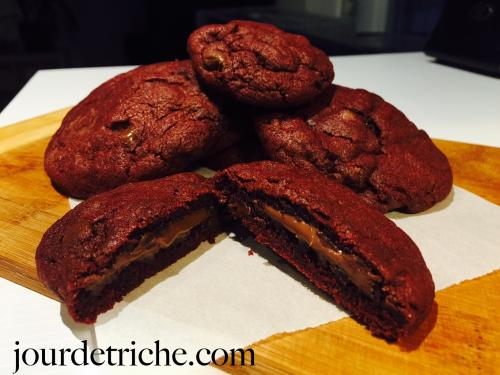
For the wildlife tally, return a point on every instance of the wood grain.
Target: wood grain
(464, 338)
(28, 203)
(475, 168)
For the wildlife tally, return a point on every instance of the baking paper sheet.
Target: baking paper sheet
(221, 296)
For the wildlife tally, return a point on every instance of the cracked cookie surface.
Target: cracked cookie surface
(360, 140)
(112, 234)
(259, 64)
(147, 123)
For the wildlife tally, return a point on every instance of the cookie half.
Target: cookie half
(345, 247)
(259, 64)
(109, 244)
(147, 123)
(363, 142)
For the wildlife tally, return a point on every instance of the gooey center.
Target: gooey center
(148, 246)
(352, 265)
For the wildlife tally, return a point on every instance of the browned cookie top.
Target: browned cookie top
(85, 241)
(259, 64)
(365, 143)
(143, 124)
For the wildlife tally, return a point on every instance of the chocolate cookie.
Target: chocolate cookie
(259, 64)
(245, 151)
(108, 245)
(147, 123)
(360, 140)
(345, 247)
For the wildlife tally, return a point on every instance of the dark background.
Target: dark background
(41, 34)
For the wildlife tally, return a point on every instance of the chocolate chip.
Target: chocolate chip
(119, 125)
(213, 61)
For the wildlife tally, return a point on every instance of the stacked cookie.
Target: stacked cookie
(160, 119)
(250, 92)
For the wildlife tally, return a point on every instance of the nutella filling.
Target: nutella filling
(149, 245)
(353, 266)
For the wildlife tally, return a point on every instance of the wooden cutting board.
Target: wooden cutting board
(461, 336)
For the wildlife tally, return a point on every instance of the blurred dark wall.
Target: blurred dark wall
(40, 34)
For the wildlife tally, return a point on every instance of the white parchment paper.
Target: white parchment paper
(220, 296)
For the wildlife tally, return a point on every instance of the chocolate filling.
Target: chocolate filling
(147, 247)
(352, 265)
(358, 272)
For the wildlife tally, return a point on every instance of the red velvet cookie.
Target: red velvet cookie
(259, 64)
(147, 123)
(109, 244)
(345, 247)
(245, 151)
(362, 141)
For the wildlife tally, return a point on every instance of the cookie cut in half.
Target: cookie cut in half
(150, 122)
(259, 64)
(363, 142)
(109, 244)
(345, 247)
